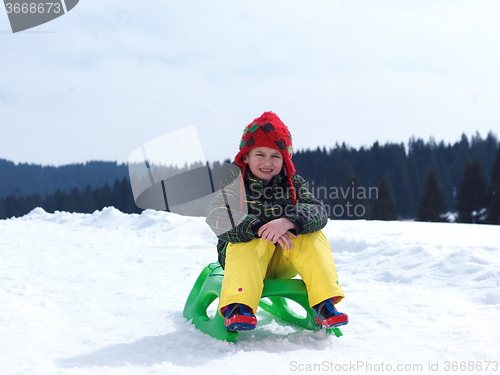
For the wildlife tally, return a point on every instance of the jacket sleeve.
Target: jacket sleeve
(227, 221)
(309, 213)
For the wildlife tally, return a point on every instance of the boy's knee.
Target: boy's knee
(254, 251)
(312, 238)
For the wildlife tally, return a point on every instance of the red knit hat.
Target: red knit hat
(268, 131)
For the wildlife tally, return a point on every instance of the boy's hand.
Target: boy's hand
(285, 241)
(278, 231)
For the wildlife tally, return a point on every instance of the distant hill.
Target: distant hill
(27, 179)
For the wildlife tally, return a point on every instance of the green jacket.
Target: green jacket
(266, 201)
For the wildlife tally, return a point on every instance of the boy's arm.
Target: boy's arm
(227, 222)
(309, 214)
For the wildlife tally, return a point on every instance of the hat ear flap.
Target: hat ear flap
(242, 186)
(290, 170)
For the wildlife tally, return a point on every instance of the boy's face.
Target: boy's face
(264, 162)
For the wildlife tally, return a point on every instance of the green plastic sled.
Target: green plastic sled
(273, 300)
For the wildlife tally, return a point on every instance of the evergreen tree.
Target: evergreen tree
(384, 206)
(472, 197)
(494, 205)
(72, 201)
(88, 201)
(355, 201)
(104, 196)
(431, 207)
(33, 201)
(13, 206)
(128, 201)
(3, 211)
(121, 193)
(118, 197)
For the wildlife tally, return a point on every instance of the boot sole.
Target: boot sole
(334, 321)
(240, 323)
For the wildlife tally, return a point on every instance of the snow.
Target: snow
(103, 293)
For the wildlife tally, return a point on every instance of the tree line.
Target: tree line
(401, 174)
(85, 200)
(26, 179)
(477, 201)
(425, 181)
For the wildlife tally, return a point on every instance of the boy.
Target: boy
(269, 226)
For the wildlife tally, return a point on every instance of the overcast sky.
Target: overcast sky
(111, 75)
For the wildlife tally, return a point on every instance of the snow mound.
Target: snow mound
(103, 293)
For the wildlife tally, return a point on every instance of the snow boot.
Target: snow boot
(239, 317)
(327, 315)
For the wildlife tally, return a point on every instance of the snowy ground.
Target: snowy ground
(104, 293)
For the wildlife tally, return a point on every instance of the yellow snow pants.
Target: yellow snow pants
(249, 263)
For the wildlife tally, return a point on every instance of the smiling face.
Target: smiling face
(264, 162)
